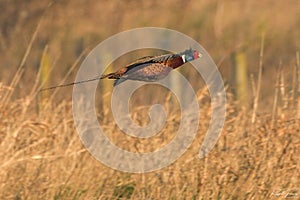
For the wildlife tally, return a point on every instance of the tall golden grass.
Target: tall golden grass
(42, 156)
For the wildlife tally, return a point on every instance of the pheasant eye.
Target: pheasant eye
(196, 55)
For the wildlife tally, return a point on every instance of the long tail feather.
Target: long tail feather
(78, 82)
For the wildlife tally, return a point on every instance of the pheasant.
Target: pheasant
(152, 68)
(148, 69)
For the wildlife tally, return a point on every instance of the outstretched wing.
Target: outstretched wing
(145, 61)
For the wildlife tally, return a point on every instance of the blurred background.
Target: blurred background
(231, 31)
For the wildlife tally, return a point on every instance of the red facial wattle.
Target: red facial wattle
(196, 54)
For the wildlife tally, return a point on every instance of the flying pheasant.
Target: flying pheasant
(149, 68)
(152, 68)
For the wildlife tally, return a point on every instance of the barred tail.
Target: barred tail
(106, 76)
(110, 76)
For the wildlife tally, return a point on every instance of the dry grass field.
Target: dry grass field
(43, 43)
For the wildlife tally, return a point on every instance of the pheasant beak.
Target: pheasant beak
(200, 55)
